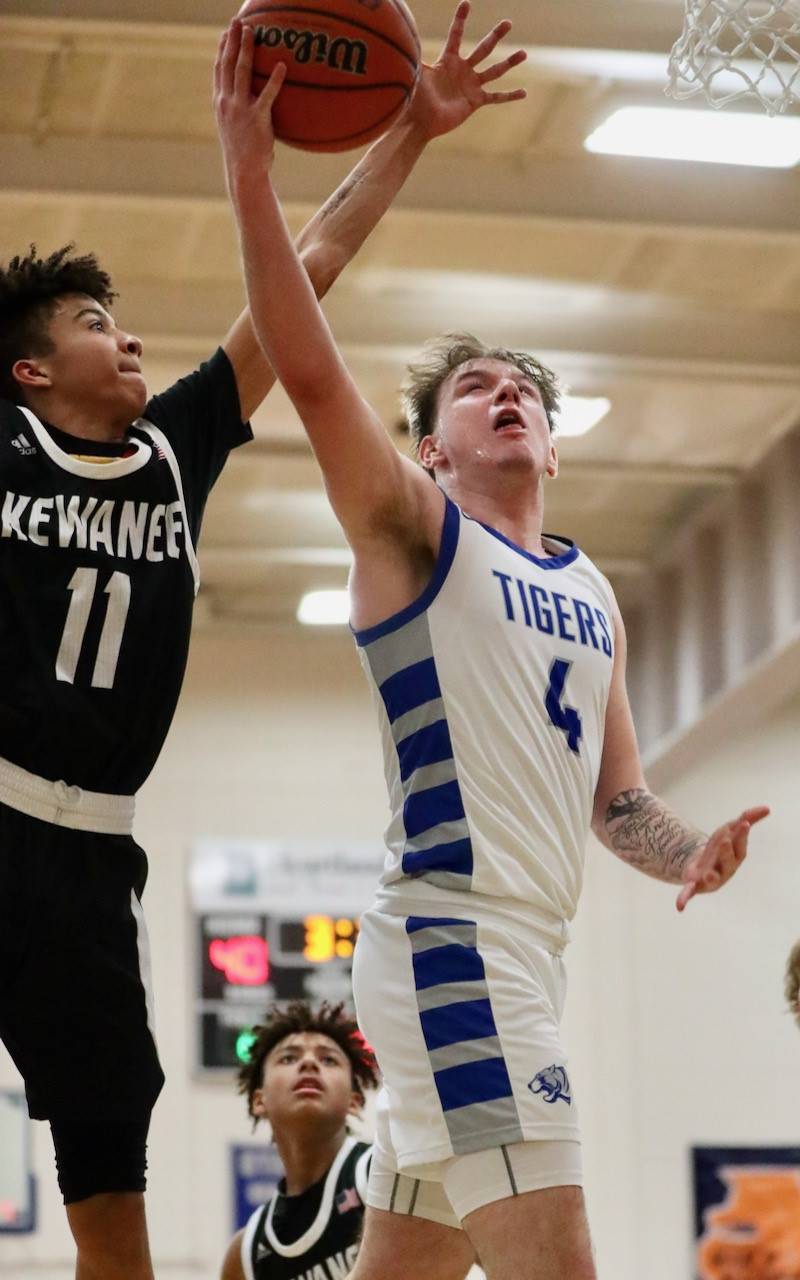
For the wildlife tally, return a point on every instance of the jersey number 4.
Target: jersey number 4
(83, 585)
(565, 718)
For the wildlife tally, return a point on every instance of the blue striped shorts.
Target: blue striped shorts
(463, 1015)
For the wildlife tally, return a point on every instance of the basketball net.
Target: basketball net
(733, 49)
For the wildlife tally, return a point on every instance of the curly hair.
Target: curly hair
(442, 356)
(792, 987)
(30, 287)
(296, 1018)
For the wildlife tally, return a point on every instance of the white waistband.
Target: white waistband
(63, 805)
(527, 923)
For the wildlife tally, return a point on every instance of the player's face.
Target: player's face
(490, 414)
(306, 1076)
(94, 363)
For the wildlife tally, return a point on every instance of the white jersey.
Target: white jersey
(492, 690)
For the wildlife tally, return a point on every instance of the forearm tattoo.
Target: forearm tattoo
(342, 193)
(644, 832)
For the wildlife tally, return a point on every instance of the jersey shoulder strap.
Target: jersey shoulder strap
(162, 443)
(252, 1232)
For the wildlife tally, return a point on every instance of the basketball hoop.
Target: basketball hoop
(734, 49)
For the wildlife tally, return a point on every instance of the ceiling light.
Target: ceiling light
(578, 414)
(733, 137)
(324, 609)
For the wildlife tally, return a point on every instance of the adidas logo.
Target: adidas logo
(23, 444)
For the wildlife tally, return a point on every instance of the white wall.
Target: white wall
(674, 1023)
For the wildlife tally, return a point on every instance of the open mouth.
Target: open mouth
(509, 418)
(307, 1086)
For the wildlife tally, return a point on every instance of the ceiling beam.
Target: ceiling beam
(569, 188)
(647, 25)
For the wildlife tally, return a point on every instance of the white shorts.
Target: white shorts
(464, 1018)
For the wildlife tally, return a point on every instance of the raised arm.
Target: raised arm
(363, 472)
(639, 827)
(448, 93)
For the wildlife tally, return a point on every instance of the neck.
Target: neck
(306, 1157)
(517, 511)
(82, 422)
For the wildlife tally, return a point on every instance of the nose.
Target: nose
(132, 344)
(507, 390)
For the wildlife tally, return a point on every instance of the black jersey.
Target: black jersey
(313, 1236)
(97, 581)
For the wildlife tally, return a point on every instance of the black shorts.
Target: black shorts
(74, 980)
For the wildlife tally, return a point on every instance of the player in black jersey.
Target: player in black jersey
(308, 1072)
(102, 495)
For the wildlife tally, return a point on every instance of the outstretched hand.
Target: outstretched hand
(451, 90)
(244, 119)
(720, 858)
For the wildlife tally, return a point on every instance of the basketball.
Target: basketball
(352, 65)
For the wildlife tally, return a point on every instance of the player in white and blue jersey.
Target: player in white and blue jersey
(102, 494)
(496, 656)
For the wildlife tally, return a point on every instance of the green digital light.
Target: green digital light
(244, 1043)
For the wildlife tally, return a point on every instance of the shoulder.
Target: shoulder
(232, 1268)
(364, 1159)
(11, 415)
(214, 376)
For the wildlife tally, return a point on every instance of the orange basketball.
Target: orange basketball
(352, 65)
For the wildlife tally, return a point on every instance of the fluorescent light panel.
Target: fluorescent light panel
(732, 137)
(324, 609)
(579, 414)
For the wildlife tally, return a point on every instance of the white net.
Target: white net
(733, 49)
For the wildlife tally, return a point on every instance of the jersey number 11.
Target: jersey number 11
(83, 585)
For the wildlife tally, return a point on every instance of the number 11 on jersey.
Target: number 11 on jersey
(83, 586)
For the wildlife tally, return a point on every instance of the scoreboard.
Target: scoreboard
(273, 923)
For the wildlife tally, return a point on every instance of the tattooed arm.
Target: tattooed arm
(638, 827)
(641, 830)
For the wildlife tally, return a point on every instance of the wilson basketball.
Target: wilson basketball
(352, 65)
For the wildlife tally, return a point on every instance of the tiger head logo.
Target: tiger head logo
(553, 1084)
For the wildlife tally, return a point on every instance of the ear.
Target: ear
(258, 1106)
(31, 374)
(552, 461)
(356, 1104)
(430, 453)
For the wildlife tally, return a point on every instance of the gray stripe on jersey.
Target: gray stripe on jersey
(456, 1055)
(444, 833)
(399, 649)
(469, 1127)
(444, 935)
(420, 718)
(450, 993)
(430, 775)
(448, 880)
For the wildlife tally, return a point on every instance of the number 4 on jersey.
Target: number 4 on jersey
(565, 718)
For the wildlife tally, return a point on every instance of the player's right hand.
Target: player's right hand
(244, 119)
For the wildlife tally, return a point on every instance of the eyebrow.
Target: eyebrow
(517, 374)
(298, 1048)
(91, 311)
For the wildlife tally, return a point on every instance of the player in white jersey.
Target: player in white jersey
(497, 659)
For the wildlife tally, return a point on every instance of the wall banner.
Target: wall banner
(747, 1213)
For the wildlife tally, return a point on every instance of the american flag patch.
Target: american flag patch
(347, 1200)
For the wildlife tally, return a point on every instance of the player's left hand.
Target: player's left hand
(720, 858)
(451, 90)
(244, 120)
